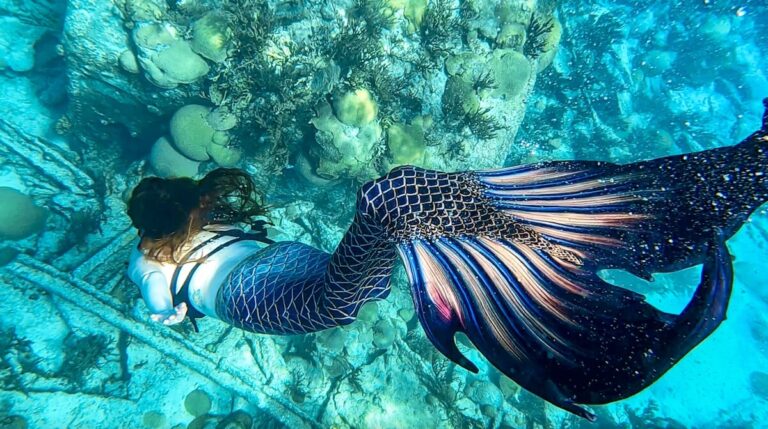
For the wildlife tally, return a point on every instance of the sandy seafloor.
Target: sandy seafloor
(674, 77)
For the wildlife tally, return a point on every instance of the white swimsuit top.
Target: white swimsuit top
(154, 278)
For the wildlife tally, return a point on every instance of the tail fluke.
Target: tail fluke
(557, 330)
(709, 304)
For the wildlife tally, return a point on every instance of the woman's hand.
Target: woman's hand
(171, 317)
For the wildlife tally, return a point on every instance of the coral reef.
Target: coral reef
(343, 150)
(406, 144)
(355, 108)
(537, 34)
(267, 69)
(166, 59)
(153, 420)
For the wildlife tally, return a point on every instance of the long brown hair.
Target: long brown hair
(169, 212)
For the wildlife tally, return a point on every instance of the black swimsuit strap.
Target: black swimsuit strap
(182, 295)
(256, 236)
(182, 262)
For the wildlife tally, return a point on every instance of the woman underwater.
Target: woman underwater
(509, 257)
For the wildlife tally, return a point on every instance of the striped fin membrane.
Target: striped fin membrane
(526, 292)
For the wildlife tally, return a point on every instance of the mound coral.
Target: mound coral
(145, 10)
(211, 36)
(154, 420)
(512, 35)
(511, 71)
(384, 334)
(19, 216)
(342, 150)
(333, 340)
(486, 395)
(197, 402)
(369, 312)
(168, 162)
(167, 60)
(413, 11)
(191, 131)
(459, 97)
(129, 62)
(201, 134)
(223, 152)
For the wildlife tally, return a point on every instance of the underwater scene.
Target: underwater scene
(444, 214)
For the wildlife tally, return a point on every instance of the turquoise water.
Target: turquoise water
(313, 99)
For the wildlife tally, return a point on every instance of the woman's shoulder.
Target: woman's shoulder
(140, 265)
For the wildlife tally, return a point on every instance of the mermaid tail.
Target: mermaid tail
(293, 288)
(510, 257)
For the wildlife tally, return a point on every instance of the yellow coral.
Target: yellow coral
(413, 11)
(511, 72)
(222, 152)
(341, 151)
(356, 108)
(166, 161)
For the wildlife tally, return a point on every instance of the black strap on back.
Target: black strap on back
(182, 294)
(260, 235)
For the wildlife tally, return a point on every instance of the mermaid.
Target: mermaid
(509, 257)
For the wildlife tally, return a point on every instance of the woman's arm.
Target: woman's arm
(157, 296)
(155, 290)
